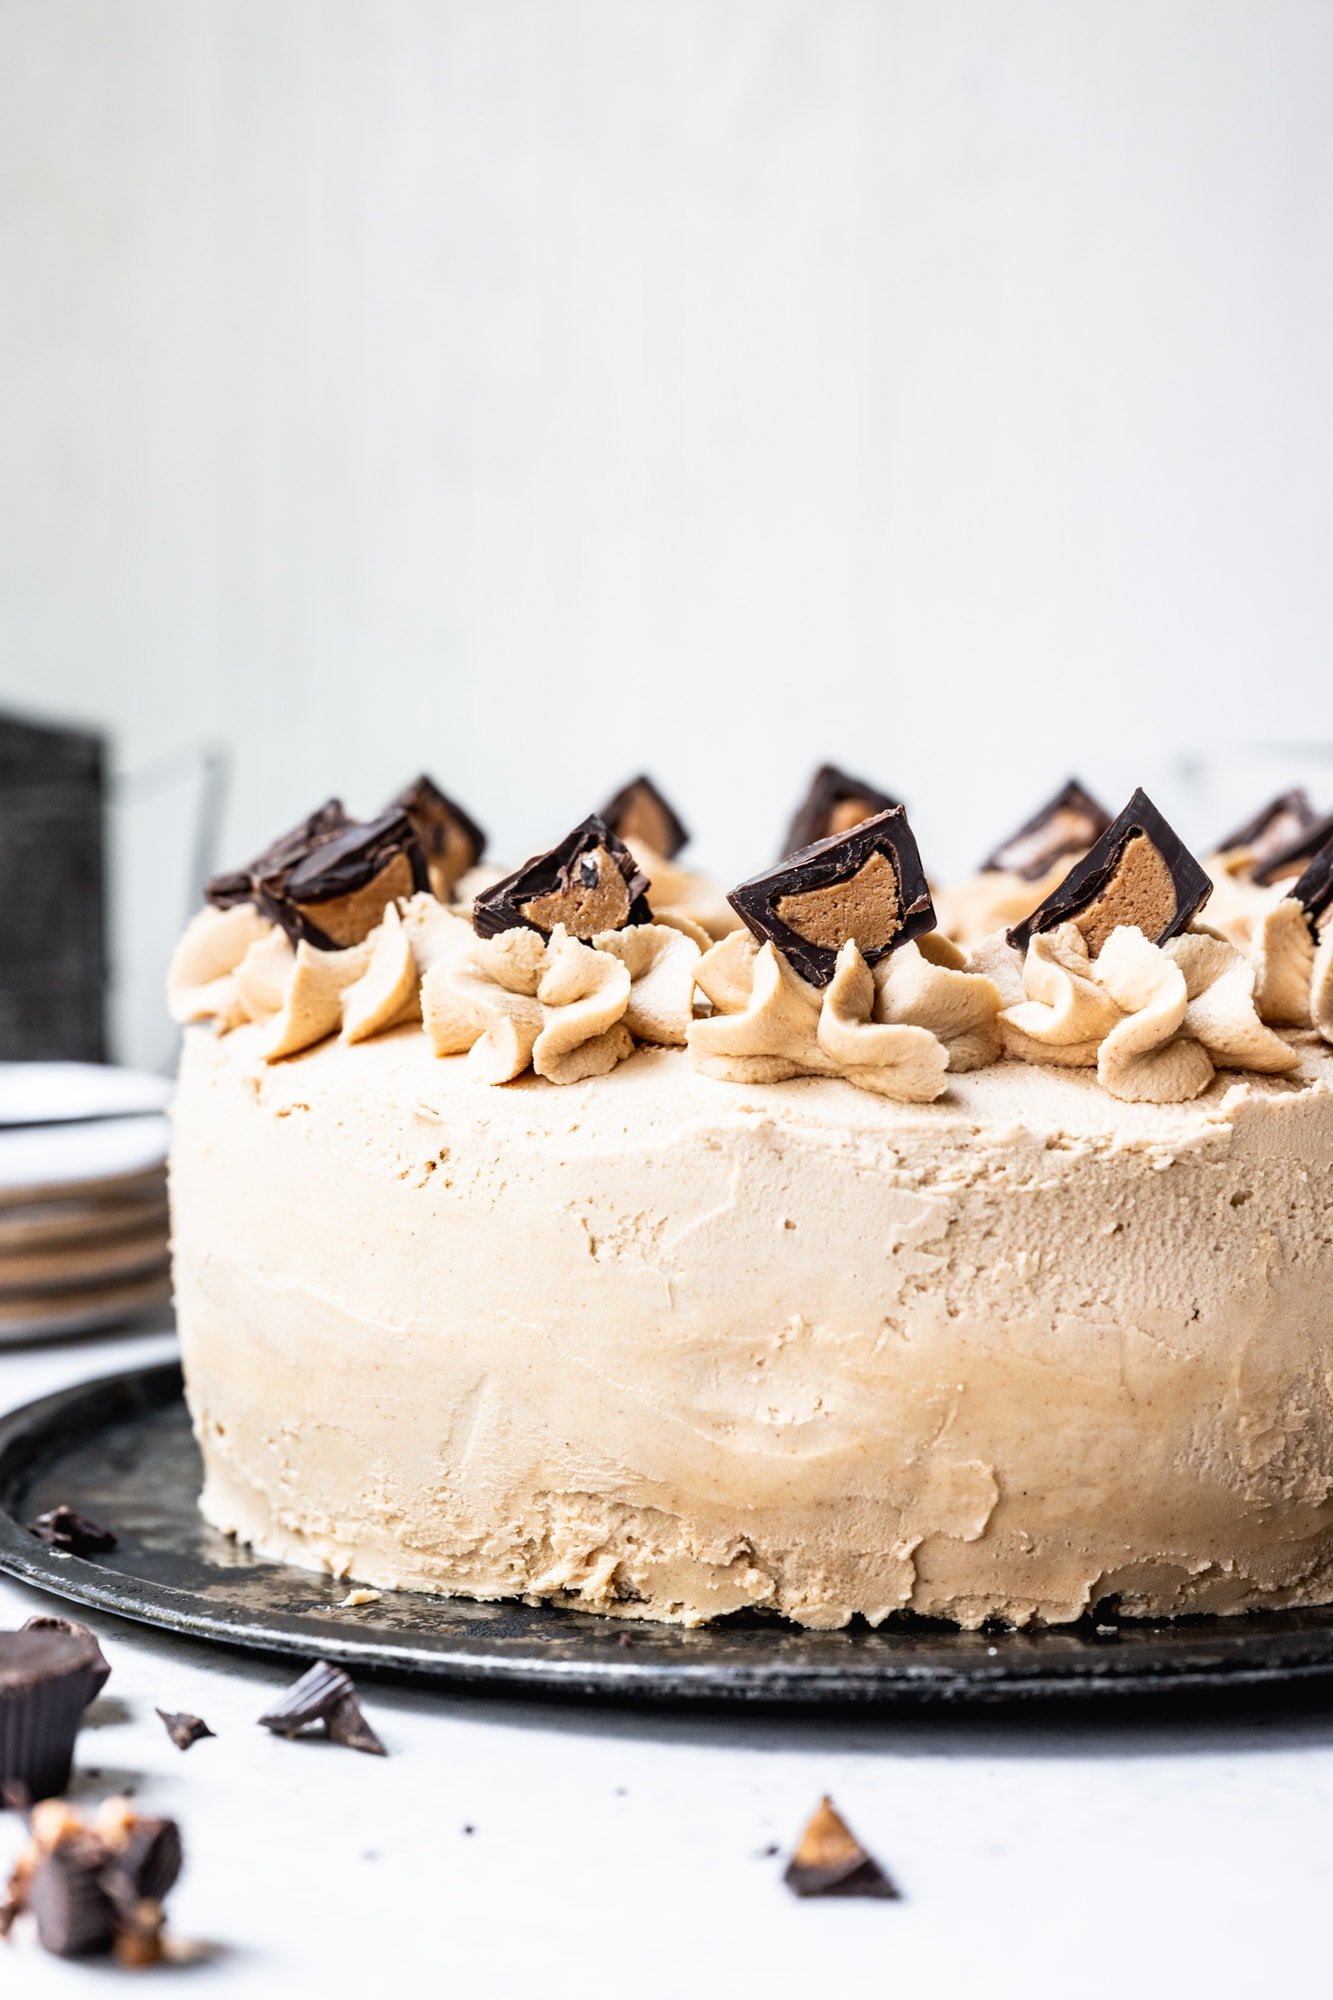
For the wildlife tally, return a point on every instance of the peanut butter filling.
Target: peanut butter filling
(865, 907)
(595, 899)
(848, 813)
(449, 858)
(644, 820)
(1141, 892)
(346, 920)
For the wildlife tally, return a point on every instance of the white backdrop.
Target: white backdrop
(534, 389)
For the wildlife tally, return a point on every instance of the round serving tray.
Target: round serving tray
(120, 1450)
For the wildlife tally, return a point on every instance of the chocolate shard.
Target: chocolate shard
(1287, 818)
(324, 1694)
(50, 1669)
(182, 1728)
(638, 811)
(336, 894)
(62, 1528)
(74, 1909)
(1314, 889)
(1067, 825)
(589, 882)
(346, 1724)
(238, 885)
(1297, 854)
(830, 1861)
(866, 885)
(451, 840)
(1140, 872)
(835, 803)
(151, 1857)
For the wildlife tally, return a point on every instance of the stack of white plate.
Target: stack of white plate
(83, 1197)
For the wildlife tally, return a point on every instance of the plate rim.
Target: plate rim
(1011, 1669)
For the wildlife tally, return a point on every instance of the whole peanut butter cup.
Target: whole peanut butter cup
(50, 1669)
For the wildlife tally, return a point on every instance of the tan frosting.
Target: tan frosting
(1155, 1020)
(895, 1031)
(676, 893)
(661, 1347)
(201, 980)
(1321, 985)
(566, 1009)
(993, 900)
(312, 1004)
(1282, 952)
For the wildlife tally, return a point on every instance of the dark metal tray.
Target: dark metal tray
(120, 1449)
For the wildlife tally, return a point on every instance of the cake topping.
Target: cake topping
(589, 882)
(1067, 825)
(96, 1885)
(62, 1528)
(1298, 853)
(1139, 873)
(50, 1669)
(451, 841)
(282, 854)
(182, 1728)
(866, 885)
(1155, 1021)
(835, 803)
(1280, 945)
(1314, 889)
(338, 892)
(639, 812)
(830, 1861)
(1287, 818)
(323, 1694)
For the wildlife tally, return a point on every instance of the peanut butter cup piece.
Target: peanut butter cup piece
(1140, 872)
(835, 803)
(50, 1669)
(323, 1694)
(62, 1528)
(95, 1886)
(451, 840)
(589, 882)
(867, 885)
(1298, 853)
(240, 885)
(1067, 825)
(830, 1861)
(1286, 819)
(1314, 889)
(639, 812)
(337, 893)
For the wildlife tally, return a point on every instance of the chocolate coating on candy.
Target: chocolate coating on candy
(63, 1529)
(1284, 820)
(639, 812)
(240, 885)
(867, 885)
(835, 803)
(50, 1669)
(323, 1694)
(589, 882)
(1066, 825)
(1314, 889)
(1294, 857)
(339, 891)
(830, 1861)
(1140, 872)
(451, 841)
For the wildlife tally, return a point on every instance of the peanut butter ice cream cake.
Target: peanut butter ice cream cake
(556, 1244)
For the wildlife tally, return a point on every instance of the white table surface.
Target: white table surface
(627, 1853)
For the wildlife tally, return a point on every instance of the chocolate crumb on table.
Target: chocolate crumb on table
(323, 1694)
(830, 1861)
(182, 1728)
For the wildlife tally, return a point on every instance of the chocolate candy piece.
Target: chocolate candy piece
(590, 882)
(1140, 872)
(339, 891)
(50, 1669)
(830, 1861)
(834, 804)
(278, 858)
(1287, 818)
(94, 1887)
(867, 885)
(323, 1694)
(1291, 859)
(451, 841)
(639, 812)
(1066, 825)
(1314, 889)
(183, 1728)
(75, 1533)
